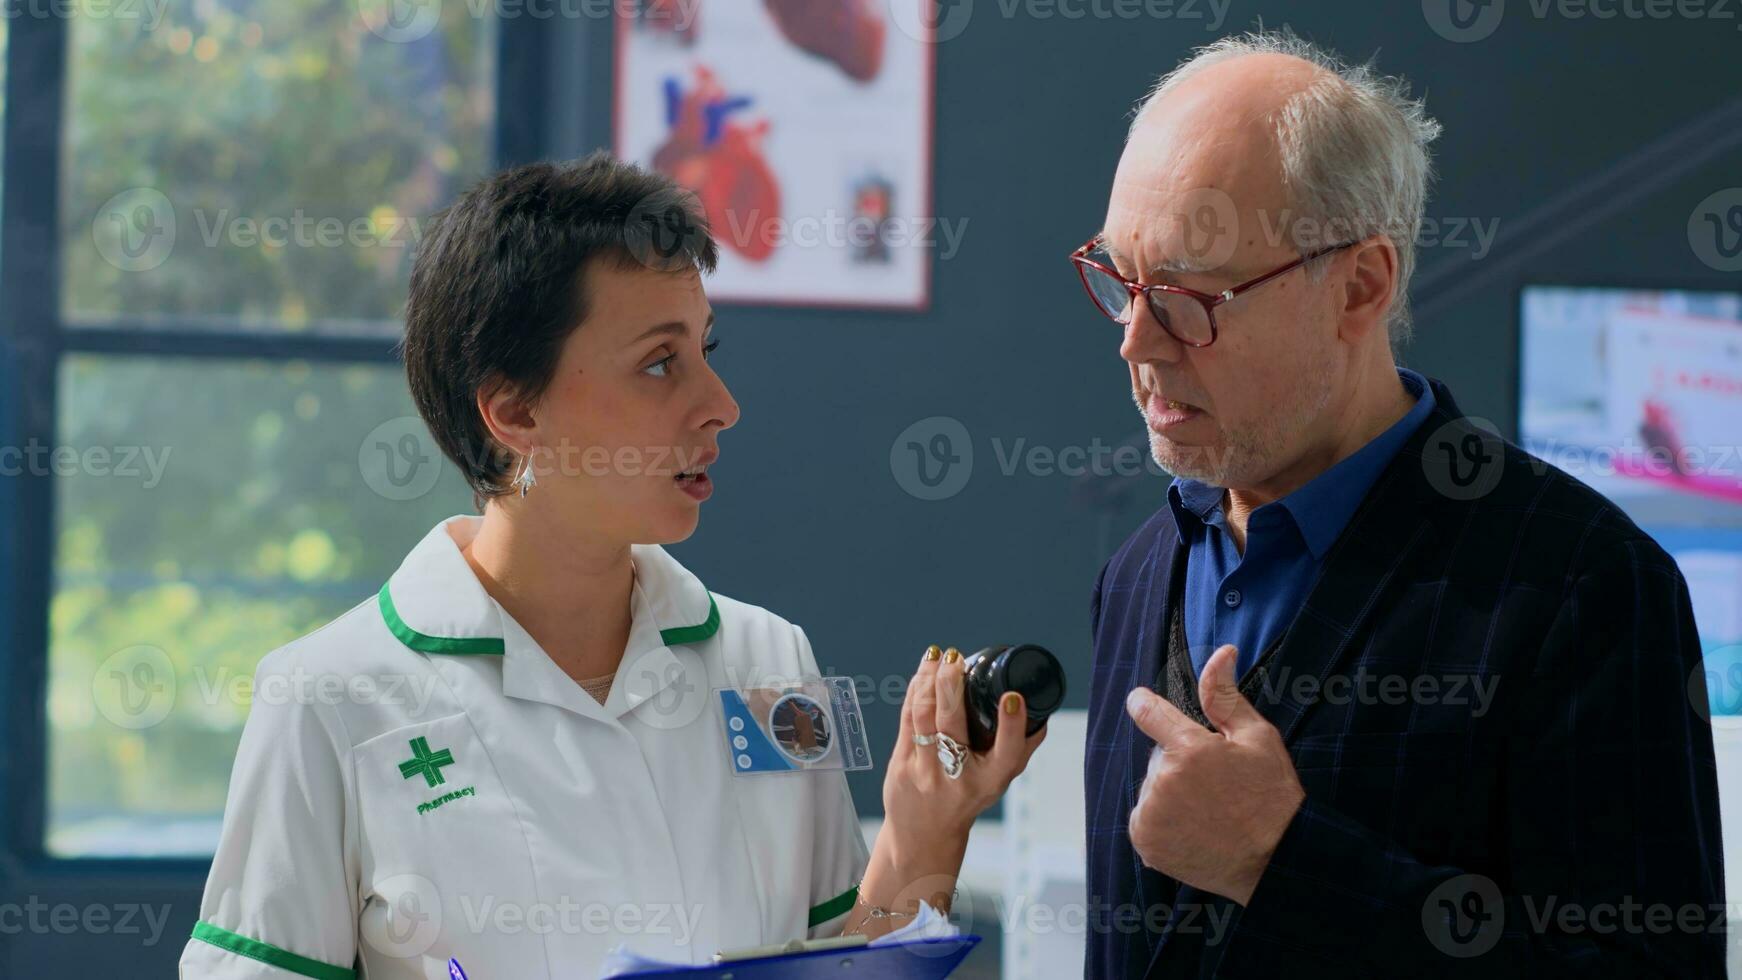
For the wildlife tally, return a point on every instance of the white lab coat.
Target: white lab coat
(417, 780)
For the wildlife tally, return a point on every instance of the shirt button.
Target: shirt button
(1231, 598)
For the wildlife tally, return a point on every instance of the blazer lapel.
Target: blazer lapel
(1394, 528)
(1165, 561)
(1168, 561)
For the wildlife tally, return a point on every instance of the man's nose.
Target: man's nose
(1147, 340)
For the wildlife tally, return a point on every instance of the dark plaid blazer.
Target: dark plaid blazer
(1546, 828)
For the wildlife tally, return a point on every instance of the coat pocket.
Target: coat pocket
(441, 848)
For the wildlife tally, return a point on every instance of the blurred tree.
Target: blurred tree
(243, 112)
(269, 516)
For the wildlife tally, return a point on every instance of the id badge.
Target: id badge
(812, 724)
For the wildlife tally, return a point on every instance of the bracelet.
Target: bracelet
(871, 911)
(874, 912)
(879, 912)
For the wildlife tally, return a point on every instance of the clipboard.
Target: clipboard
(919, 959)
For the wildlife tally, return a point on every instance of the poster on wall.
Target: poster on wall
(804, 128)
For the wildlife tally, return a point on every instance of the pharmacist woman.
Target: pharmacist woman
(513, 755)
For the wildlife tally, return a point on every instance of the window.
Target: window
(262, 165)
(233, 455)
(208, 512)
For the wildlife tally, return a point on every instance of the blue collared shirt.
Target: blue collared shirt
(1250, 600)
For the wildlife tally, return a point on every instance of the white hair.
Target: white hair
(1354, 149)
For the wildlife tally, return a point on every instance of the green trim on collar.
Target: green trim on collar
(696, 633)
(487, 645)
(833, 907)
(493, 646)
(269, 954)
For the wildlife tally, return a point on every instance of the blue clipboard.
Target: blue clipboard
(921, 959)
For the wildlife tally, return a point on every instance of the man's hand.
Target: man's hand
(1214, 804)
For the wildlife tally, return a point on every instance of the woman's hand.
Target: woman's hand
(918, 798)
(926, 814)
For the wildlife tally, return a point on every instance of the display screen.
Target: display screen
(1639, 394)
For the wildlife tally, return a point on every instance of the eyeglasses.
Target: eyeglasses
(1186, 314)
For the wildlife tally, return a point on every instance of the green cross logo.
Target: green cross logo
(428, 764)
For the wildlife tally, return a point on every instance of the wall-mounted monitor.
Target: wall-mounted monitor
(1638, 392)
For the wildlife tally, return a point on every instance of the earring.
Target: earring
(526, 479)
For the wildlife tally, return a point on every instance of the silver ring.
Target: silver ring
(919, 739)
(951, 756)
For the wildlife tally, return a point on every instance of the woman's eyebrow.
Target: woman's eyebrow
(671, 328)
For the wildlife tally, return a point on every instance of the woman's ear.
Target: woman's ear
(508, 417)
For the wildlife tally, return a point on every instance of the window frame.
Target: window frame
(35, 338)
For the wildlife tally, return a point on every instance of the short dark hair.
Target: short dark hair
(498, 285)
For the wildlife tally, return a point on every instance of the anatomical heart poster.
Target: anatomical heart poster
(804, 129)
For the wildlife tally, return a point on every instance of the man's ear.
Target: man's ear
(508, 416)
(1368, 288)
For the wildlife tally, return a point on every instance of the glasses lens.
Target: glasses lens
(1108, 291)
(1181, 316)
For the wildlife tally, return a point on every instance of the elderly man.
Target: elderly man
(1375, 692)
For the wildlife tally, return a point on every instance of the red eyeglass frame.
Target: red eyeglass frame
(1209, 301)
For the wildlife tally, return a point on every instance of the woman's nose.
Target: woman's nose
(718, 403)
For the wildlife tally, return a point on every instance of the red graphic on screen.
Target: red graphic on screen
(722, 162)
(1662, 440)
(846, 32)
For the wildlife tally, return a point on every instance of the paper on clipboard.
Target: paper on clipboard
(929, 936)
